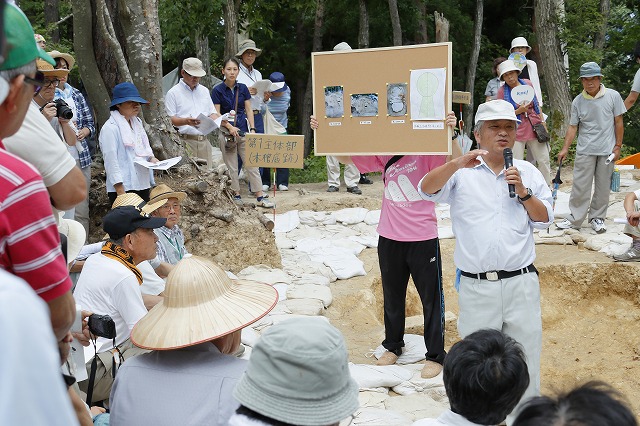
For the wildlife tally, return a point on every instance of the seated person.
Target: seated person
(190, 373)
(170, 243)
(298, 374)
(110, 285)
(485, 375)
(592, 404)
(632, 207)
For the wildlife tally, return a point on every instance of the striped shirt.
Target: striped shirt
(29, 239)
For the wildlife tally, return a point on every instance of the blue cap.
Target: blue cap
(278, 77)
(590, 69)
(125, 92)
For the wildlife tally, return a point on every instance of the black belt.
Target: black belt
(500, 275)
(256, 111)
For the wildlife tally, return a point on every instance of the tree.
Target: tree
(395, 22)
(51, 18)
(363, 28)
(547, 22)
(599, 39)
(231, 9)
(421, 32)
(473, 59)
(128, 47)
(308, 104)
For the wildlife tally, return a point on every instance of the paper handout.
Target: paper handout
(208, 124)
(160, 165)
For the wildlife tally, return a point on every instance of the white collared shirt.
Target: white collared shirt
(493, 231)
(249, 78)
(448, 418)
(183, 102)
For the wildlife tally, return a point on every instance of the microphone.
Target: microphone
(508, 162)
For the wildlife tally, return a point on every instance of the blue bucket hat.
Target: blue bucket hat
(124, 92)
(590, 69)
(278, 77)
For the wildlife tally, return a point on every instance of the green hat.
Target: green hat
(20, 43)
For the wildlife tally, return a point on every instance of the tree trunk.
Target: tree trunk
(421, 32)
(308, 102)
(87, 64)
(202, 53)
(548, 26)
(363, 29)
(300, 82)
(442, 28)
(140, 23)
(473, 62)
(395, 22)
(230, 9)
(598, 42)
(51, 17)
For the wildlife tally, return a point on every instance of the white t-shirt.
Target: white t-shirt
(151, 283)
(37, 143)
(183, 102)
(636, 82)
(107, 287)
(32, 389)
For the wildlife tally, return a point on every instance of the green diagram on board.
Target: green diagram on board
(427, 86)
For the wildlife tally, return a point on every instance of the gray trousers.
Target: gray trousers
(588, 170)
(511, 305)
(230, 158)
(351, 173)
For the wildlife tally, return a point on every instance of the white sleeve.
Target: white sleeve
(37, 143)
(170, 104)
(128, 301)
(535, 80)
(109, 139)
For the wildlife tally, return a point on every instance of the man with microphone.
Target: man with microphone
(495, 250)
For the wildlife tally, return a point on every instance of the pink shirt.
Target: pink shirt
(525, 129)
(405, 215)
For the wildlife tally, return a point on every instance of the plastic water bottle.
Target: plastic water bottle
(615, 180)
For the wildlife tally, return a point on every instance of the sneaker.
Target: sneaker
(237, 197)
(354, 190)
(387, 358)
(565, 224)
(598, 225)
(431, 369)
(263, 202)
(631, 255)
(333, 189)
(283, 187)
(364, 180)
(265, 187)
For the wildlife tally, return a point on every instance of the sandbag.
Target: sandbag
(350, 216)
(414, 350)
(373, 376)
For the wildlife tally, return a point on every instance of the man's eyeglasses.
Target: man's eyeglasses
(37, 82)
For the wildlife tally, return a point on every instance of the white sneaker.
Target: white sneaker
(283, 187)
(265, 203)
(565, 224)
(598, 225)
(265, 187)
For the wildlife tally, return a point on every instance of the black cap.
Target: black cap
(126, 219)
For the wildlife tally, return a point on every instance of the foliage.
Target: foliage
(315, 170)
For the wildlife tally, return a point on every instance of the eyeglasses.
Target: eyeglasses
(36, 82)
(49, 83)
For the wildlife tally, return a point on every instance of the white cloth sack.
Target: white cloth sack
(373, 376)
(414, 350)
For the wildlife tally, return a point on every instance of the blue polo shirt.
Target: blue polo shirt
(224, 96)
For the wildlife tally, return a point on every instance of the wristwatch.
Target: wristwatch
(252, 128)
(526, 197)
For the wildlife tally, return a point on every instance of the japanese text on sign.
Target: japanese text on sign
(280, 151)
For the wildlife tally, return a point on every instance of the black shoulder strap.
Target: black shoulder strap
(391, 161)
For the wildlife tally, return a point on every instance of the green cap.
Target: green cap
(21, 47)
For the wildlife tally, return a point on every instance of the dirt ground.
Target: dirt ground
(590, 305)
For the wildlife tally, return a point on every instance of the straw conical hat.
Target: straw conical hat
(200, 304)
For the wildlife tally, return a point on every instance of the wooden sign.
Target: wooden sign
(461, 97)
(279, 151)
(390, 100)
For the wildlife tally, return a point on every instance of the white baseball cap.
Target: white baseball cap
(193, 66)
(496, 110)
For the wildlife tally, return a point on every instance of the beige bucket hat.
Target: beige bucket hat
(200, 304)
(164, 192)
(248, 44)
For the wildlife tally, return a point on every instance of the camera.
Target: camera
(63, 110)
(102, 325)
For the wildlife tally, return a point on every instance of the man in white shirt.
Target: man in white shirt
(495, 250)
(185, 102)
(110, 285)
(635, 87)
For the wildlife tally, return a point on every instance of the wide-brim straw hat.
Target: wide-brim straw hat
(164, 192)
(68, 58)
(49, 71)
(248, 44)
(201, 304)
(507, 66)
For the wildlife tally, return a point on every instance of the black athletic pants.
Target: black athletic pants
(421, 260)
